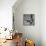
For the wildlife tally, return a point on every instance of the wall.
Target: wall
(6, 13)
(28, 7)
(43, 22)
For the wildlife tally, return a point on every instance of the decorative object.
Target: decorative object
(28, 19)
(29, 43)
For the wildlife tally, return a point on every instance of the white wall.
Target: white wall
(28, 7)
(6, 13)
(43, 22)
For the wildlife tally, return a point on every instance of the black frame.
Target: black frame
(28, 19)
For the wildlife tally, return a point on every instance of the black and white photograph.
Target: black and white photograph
(28, 19)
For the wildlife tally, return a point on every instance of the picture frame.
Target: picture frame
(28, 19)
